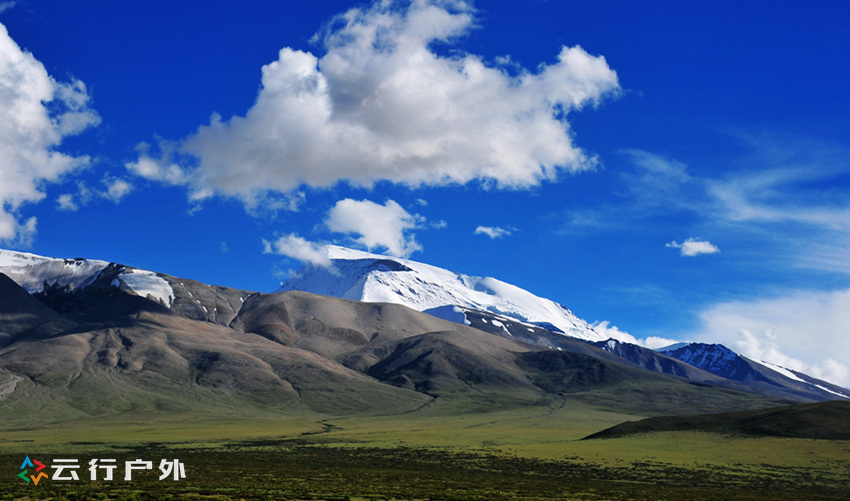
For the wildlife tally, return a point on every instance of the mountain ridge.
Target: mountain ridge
(219, 349)
(722, 361)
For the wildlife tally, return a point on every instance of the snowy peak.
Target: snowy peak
(37, 273)
(363, 276)
(722, 361)
(718, 359)
(714, 358)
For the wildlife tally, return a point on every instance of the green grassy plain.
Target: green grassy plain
(447, 450)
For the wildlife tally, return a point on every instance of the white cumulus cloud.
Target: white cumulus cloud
(382, 104)
(36, 114)
(116, 189)
(605, 328)
(374, 225)
(298, 248)
(693, 247)
(154, 170)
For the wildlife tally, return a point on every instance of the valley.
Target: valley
(443, 453)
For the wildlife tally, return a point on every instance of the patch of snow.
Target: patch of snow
(10, 386)
(148, 284)
(782, 370)
(503, 326)
(830, 391)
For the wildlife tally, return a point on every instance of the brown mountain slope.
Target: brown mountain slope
(412, 350)
(299, 353)
(170, 362)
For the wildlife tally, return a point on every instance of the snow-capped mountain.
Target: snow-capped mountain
(36, 273)
(722, 361)
(362, 276)
(714, 358)
(45, 297)
(66, 284)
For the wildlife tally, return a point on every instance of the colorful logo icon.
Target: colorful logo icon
(31, 463)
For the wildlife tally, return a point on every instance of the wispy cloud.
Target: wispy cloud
(780, 198)
(650, 186)
(694, 247)
(661, 184)
(790, 194)
(494, 231)
(383, 104)
(4, 6)
(114, 189)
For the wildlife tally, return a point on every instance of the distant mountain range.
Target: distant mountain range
(83, 337)
(763, 378)
(509, 311)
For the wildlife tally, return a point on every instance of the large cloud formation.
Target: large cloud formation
(382, 104)
(36, 114)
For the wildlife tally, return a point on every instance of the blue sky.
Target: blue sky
(674, 170)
